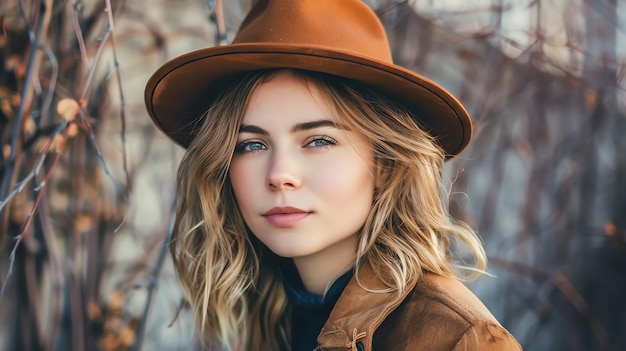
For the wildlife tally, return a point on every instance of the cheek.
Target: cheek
(347, 181)
(242, 182)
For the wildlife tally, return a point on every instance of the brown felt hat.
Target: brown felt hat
(339, 37)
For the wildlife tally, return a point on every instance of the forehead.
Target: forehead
(285, 96)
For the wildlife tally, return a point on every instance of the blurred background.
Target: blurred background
(87, 181)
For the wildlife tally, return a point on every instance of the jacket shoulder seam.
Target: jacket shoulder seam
(458, 310)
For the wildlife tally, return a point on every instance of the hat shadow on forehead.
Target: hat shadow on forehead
(344, 38)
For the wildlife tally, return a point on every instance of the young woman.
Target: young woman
(310, 205)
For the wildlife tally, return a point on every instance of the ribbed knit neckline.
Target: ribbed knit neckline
(309, 311)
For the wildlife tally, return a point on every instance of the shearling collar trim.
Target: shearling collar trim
(358, 313)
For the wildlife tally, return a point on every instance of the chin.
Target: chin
(290, 251)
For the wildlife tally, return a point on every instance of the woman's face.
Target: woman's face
(303, 182)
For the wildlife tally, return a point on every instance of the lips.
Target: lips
(284, 217)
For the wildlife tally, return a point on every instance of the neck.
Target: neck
(320, 270)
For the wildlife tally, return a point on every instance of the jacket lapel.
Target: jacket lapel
(359, 312)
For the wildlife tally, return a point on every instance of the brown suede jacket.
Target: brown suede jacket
(437, 314)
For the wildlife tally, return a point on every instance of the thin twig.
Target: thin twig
(569, 291)
(53, 81)
(79, 35)
(25, 96)
(56, 270)
(31, 34)
(221, 37)
(92, 68)
(40, 192)
(99, 155)
(42, 157)
(120, 83)
(152, 284)
(32, 288)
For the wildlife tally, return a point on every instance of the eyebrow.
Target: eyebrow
(299, 127)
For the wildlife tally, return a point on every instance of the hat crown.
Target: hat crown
(343, 38)
(337, 25)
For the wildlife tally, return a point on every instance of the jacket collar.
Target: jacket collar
(359, 312)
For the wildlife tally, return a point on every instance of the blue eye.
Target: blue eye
(321, 141)
(249, 146)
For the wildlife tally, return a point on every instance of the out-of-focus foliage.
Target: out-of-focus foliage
(87, 181)
(546, 175)
(85, 190)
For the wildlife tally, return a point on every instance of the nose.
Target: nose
(283, 171)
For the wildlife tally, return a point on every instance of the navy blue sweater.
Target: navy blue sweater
(309, 311)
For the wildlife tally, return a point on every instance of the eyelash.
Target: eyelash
(242, 146)
(328, 141)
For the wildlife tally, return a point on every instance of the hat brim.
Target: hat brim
(181, 90)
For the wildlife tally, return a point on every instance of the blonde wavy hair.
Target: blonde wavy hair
(233, 282)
